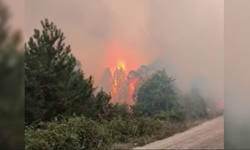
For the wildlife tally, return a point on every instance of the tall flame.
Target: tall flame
(120, 62)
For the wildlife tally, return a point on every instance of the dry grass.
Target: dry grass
(122, 146)
(161, 134)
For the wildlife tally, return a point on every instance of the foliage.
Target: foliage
(177, 115)
(81, 133)
(120, 110)
(155, 95)
(101, 106)
(76, 133)
(52, 85)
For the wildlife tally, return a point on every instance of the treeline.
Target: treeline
(63, 110)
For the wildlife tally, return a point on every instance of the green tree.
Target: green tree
(53, 85)
(101, 107)
(156, 94)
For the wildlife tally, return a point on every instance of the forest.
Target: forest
(64, 110)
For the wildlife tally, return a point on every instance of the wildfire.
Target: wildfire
(125, 84)
(120, 62)
(122, 87)
(121, 65)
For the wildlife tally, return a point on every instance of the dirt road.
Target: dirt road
(209, 135)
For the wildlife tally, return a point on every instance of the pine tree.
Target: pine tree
(52, 85)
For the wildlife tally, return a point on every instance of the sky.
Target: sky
(17, 14)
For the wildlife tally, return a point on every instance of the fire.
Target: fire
(120, 61)
(123, 88)
(125, 84)
(121, 65)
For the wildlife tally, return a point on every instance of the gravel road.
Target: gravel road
(209, 135)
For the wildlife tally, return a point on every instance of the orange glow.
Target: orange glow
(122, 88)
(120, 63)
(118, 54)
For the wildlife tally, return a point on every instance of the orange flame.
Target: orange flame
(120, 63)
(122, 88)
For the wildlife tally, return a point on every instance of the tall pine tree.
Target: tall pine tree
(52, 85)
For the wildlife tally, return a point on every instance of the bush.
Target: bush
(76, 133)
(79, 133)
(127, 130)
(122, 130)
(171, 116)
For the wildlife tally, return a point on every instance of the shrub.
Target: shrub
(122, 130)
(171, 116)
(79, 133)
(76, 133)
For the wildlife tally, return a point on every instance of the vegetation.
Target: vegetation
(64, 111)
(156, 95)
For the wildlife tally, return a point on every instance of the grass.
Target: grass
(163, 133)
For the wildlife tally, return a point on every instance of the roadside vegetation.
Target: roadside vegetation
(63, 109)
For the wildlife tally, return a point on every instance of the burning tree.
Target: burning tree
(119, 91)
(137, 78)
(125, 86)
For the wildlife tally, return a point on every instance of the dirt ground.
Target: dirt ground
(209, 135)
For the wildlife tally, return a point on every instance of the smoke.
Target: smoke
(237, 73)
(185, 37)
(189, 35)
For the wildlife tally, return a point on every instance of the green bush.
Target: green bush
(122, 130)
(76, 133)
(130, 130)
(171, 116)
(79, 133)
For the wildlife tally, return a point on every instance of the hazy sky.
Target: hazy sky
(16, 10)
(188, 34)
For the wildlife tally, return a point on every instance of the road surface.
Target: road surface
(209, 135)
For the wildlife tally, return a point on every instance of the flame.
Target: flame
(119, 79)
(120, 62)
(120, 65)
(115, 82)
(124, 85)
(118, 55)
